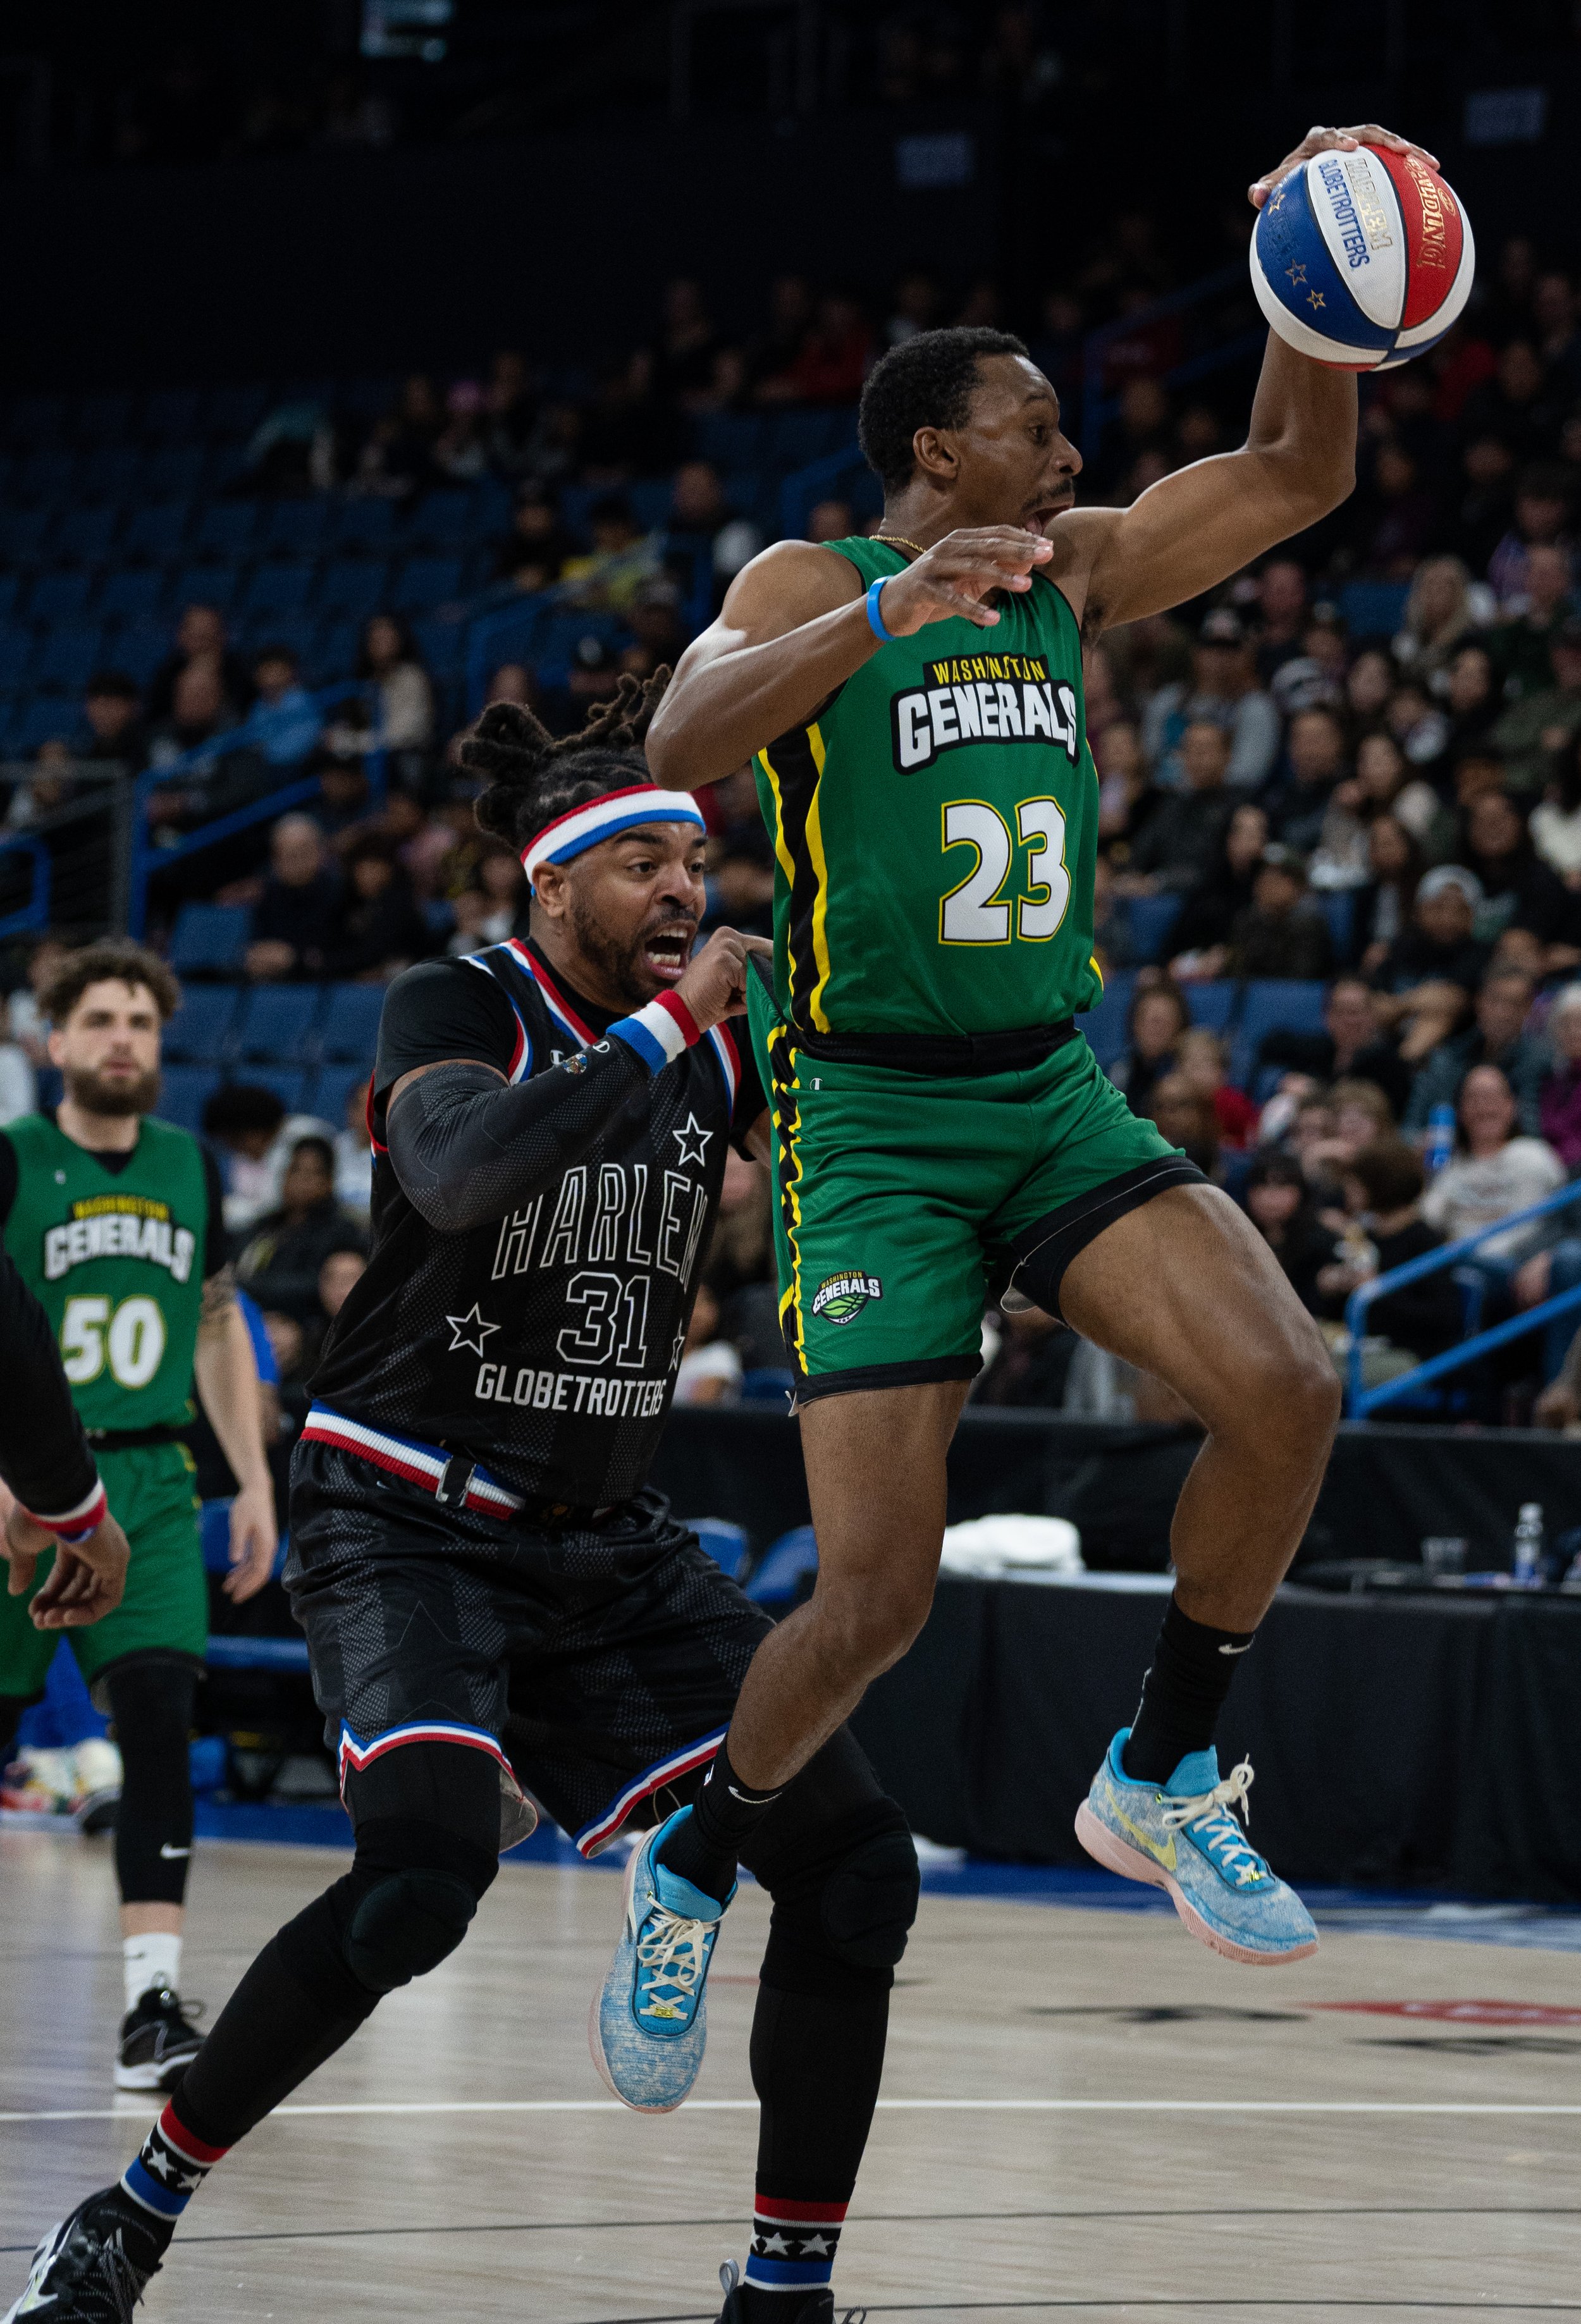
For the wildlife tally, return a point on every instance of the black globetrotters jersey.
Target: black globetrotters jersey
(543, 1344)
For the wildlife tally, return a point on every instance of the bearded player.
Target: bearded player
(492, 1596)
(114, 1222)
(913, 707)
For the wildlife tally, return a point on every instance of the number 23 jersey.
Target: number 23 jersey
(935, 828)
(543, 1344)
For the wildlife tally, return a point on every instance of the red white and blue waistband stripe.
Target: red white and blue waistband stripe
(572, 833)
(417, 1464)
(75, 1524)
(603, 1829)
(355, 1754)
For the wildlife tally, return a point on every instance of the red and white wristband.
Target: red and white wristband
(660, 1032)
(74, 1524)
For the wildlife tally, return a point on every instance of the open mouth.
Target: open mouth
(1039, 519)
(667, 953)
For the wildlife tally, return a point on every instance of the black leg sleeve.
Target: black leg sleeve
(150, 1702)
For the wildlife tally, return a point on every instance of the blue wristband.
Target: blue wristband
(874, 618)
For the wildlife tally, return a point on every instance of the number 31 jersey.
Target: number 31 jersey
(935, 829)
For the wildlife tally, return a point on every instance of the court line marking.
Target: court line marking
(1476, 2108)
(1096, 2307)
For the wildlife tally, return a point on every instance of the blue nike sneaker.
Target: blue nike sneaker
(648, 2022)
(1188, 1838)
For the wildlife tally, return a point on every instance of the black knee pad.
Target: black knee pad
(841, 1919)
(870, 1899)
(406, 1924)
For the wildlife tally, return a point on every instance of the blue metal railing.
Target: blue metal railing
(1097, 409)
(506, 629)
(1360, 1401)
(149, 857)
(36, 912)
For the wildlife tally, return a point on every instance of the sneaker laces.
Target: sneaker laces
(110, 2271)
(1212, 1817)
(673, 1954)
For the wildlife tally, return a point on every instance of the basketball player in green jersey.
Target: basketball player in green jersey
(114, 1222)
(912, 704)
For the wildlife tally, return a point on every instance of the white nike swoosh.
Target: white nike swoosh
(1238, 1650)
(168, 1851)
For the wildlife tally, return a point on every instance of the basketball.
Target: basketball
(1362, 259)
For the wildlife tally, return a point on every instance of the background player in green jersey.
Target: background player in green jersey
(913, 707)
(114, 1222)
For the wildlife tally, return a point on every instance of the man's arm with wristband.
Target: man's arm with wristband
(59, 1501)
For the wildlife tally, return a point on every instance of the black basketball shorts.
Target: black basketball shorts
(599, 1666)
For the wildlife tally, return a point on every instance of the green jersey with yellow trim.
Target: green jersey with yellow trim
(116, 1255)
(935, 828)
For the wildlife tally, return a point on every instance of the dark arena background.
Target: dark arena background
(366, 363)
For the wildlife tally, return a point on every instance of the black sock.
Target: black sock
(1181, 1695)
(706, 1846)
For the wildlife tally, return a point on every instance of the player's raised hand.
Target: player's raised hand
(950, 581)
(86, 1581)
(715, 983)
(1335, 141)
(254, 1540)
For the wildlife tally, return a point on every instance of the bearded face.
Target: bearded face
(112, 1091)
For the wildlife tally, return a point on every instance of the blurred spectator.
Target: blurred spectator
(1426, 977)
(534, 552)
(1220, 896)
(1032, 1364)
(397, 461)
(1315, 756)
(832, 360)
(252, 1130)
(1497, 1036)
(461, 447)
(1383, 1184)
(1494, 1171)
(494, 906)
(830, 520)
(1532, 730)
(18, 1081)
(1542, 513)
(1556, 822)
(1369, 685)
(354, 1159)
(382, 931)
(1512, 405)
(1559, 1106)
(1282, 933)
(1521, 646)
(1383, 908)
(1056, 344)
(1181, 840)
(1204, 1067)
(1351, 1047)
(1391, 519)
(684, 349)
(200, 637)
(1481, 501)
(199, 715)
(299, 918)
(1440, 611)
(29, 1026)
(112, 711)
(1280, 1206)
(1122, 784)
(1517, 887)
(710, 1367)
(1157, 1016)
(399, 715)
(280, 1263)
(339, 1278)
(341, 808)
(1185, 1114)
(771, 356)
(511, 407)
(1281, 616)
(284, 722)
(698, 513)
(621, 558)
(1223, 690)
(916, 306)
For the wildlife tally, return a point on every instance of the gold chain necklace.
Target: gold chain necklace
(898, 541)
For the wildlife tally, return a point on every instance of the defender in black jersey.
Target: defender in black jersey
(500, 1613)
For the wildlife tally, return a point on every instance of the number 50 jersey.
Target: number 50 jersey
(543, 1344)
(934, 829)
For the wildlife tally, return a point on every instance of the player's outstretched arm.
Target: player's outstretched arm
(1196, 528)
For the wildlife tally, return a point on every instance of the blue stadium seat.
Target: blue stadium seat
(175, 473)
(1213, 1003)
(651, 502)
(10, 588)
(353, 587)
(743, 490)
(196, 1034)
(24, 532)
(1151, 918)
(296, 528)
(136, 593)
(784, 1565)
(46, 479)
(57, 597)
(233, 411)
(207, 585)
(113, 473)
(1372, 609)
(16, 653)
(726, 1543)
(291, 1085)
(444, 519)
(797, 438)
(184, 1092)
(427, 581)
(211, 936)
(225, 530)
(68, 657)
(1105, 1026)
(104, 418)
(48, 719)
(83, 535)
(156, 529)
(170, 415)
(732, 439)
(139, 647)
(1288, 1004)
(361, 525)
(349, 1032)
(1339, 907)
(277, 589)
(297, 631)
(275, 1022)
(334, 1086)
(330, 653)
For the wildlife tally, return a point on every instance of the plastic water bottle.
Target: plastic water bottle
(1527, 1565)
(1440, 1143)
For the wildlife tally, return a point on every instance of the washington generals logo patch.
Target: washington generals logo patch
(982, 698)
(842, 1298)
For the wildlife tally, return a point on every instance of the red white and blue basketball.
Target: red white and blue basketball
(1362, 259)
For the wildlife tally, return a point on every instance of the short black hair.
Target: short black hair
(238, 1106)
(927, 381)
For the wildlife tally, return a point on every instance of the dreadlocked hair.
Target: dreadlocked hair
(530, 776)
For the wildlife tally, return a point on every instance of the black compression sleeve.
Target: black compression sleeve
(468, 1146)
(43, 1453)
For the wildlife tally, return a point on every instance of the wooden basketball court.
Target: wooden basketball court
(1084, 2112)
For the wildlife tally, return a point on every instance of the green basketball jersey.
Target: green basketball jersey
(935, 829)
(117, 1258)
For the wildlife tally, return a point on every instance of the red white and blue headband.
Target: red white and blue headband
(572, 833)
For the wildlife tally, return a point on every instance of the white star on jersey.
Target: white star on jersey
(693, 1129)
(469, 1331)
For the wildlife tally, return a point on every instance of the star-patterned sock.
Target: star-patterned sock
(793, 2246)
(170, 2168)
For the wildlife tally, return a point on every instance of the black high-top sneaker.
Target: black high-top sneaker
(93, 2268)
(814, 2306)
(158, 2042)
